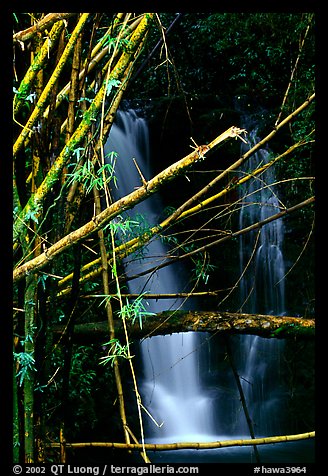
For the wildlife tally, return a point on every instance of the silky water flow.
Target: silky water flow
(171, 384)
(262, 290)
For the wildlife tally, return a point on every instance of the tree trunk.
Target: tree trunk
(29, 378)
(169, 322)
(16, 438)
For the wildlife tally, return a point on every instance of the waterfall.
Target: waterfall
(171, 382)
(262, 292)
(185, 379)
(262, 289)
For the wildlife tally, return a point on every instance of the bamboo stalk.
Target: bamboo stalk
(193, 445)
(110, 318)
(127, 431)
(41, 104)
(70, 122)
(244, 179)
(69, 332)
(37, 65)
(36, 201)
(95, 59)
(107, 122)
(231, 235)
(29, 379)
(294, 68)
(158, 296)
(16, 423)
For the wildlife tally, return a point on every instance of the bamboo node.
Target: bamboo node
(200, 149)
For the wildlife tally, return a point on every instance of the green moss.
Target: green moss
(293, 329)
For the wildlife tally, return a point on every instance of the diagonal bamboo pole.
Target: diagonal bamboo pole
(132, 245)
(116, 208)
(230, 235)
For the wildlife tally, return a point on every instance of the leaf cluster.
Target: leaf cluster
(26, 362)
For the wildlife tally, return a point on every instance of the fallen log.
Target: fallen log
(169, 322)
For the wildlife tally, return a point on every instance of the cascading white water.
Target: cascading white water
(262, 292)
(171, 386)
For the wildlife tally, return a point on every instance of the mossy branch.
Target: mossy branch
(113, 210)
(223, 323)
(38, 63)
